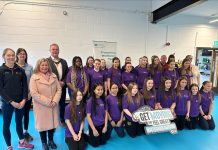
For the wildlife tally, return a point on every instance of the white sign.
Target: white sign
(157, 121)
(105, 50)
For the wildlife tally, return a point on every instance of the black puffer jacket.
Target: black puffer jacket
(13, 84)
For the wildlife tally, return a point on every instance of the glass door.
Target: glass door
(207, 62)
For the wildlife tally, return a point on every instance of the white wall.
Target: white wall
(35, 27)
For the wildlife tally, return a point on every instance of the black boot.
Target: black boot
(52, 144)
(45, 146)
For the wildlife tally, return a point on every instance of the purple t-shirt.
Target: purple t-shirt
(195, 106)
(75, 125)
(131, 107)
(141, 74)
(88, 69)
(187, 75)
(127, 78)
(98, 118)
(115, 76)
(96, 77)
(206, 100)
(166, 103)
(151, 101)
(105, 71)
(181, 102)
(113, 107)
(172, 75)
(157, 78)
(80, 82)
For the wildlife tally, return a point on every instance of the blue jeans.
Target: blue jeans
(7, 112)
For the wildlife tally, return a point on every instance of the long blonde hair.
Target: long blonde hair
(129, 94)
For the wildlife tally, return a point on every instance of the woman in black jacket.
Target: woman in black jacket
(14, 93)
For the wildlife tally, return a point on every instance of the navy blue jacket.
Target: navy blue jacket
(13, 84)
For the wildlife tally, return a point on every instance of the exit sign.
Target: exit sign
(215, 43)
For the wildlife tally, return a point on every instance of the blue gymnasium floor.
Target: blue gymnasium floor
(184, 140)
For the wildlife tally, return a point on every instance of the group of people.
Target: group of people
(106, 97)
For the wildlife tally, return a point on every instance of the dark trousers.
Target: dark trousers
(118, 130)
(43, 135)
(62, 104)
(7, 112)
(97, 140)
(192, 123)
(134, 129)
(206, 124)
(75, 145)
(180, 122)
(26, 114)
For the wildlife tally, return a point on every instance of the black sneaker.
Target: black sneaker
(52, 144)
(28, 137)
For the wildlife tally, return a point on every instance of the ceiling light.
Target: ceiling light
(212, 21)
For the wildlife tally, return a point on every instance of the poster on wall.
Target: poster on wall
(105, 50)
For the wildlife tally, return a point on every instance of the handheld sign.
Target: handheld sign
(157, 121)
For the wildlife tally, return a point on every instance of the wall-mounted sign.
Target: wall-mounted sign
(157, 121)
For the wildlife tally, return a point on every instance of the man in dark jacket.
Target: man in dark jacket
(59, 68)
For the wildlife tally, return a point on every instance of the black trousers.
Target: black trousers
(26, 114)
(180, 122)
(134, 129)
(101, 139)
(62, 104)
(7, 112)
(206, 124)
(75, 145)
(192, 123)
(43, 135)
(118, 130)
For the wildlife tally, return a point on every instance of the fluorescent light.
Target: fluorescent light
(212, 21)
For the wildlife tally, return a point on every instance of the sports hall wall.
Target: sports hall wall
(34, 26)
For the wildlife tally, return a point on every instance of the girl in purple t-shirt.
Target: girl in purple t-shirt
(97, 117)
(166, 95)
(132, 100)
(206, 121)
(195, 99)
(127, 76)
(89, 64)
(172, 73)
(96, 76)
(156, 71)
(114, 74)
(186, 71)
(74, 118)
(182, 108)
(114, 111)
(149, 93)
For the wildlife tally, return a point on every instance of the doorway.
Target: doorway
(207, 62)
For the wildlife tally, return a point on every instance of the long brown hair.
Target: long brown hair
(129, 94)
(162, 88)
(146, 93)
(198, 93)
(153, 67)
(178, 88)
(73, 108)
(183, 70)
